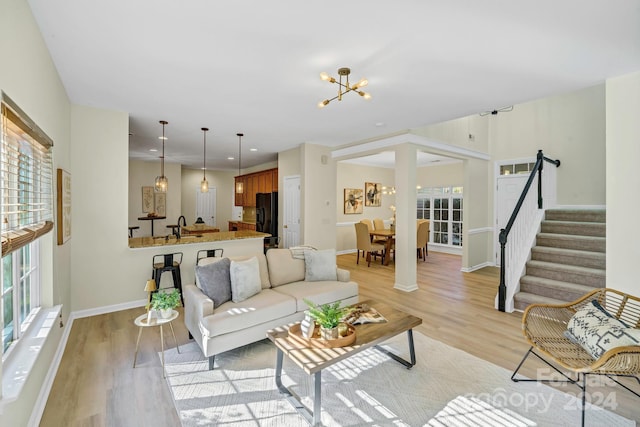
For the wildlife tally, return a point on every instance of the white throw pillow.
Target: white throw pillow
(245, 279)
(320, 265)
(597, 331)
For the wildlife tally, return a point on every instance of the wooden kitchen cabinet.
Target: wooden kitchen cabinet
(253, 183)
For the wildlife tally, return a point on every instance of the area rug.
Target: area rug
(368, 389)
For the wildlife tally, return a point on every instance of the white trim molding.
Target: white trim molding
(403, 138)
(480, 230)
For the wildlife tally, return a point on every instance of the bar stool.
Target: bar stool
(168, 262)
(134, 227)
(173, 228)
(208, 253)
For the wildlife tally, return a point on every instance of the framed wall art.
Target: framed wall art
(353, 201)
(64, 206)
(147, 199)
(373, 194)
(160, 204)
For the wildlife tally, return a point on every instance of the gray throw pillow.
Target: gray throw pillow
(245, 279)
(215, 281)
(320, 265)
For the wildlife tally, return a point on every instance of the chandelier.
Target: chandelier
(161, 181)
(204, 185)
(345, 87)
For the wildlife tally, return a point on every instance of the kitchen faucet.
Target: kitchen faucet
(177, 230)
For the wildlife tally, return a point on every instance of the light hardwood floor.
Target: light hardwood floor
(96, 384)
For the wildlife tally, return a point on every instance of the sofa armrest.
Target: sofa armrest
(196, 307)
(344, 275)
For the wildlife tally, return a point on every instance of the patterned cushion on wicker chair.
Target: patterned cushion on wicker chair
(597, 331)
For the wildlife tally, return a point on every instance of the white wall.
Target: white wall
(569, 127)
(99, 267)
(29, 77)
(623, 180)
(318, 196)
(350, 175)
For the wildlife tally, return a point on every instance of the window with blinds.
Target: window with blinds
(26, 192)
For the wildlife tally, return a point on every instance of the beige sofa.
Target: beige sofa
(234, 324)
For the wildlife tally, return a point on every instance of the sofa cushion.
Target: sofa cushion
(283, 267)
(318, 292)
(263, 307)
(320, 265)
(597, 331)
(262, 261)
(215, 281)
(245, 279)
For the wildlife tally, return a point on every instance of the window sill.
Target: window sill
(22, 358)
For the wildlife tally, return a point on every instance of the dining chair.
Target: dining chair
(378, 224)
(422, 238)
(363, 243)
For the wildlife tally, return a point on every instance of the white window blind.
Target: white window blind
(26, 192)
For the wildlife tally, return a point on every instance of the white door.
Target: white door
(291, 217)
(509, 189)
(206, 206)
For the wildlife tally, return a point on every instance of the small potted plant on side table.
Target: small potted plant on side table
(329, 317)
(165, 301)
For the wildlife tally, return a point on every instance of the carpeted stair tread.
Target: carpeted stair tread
(579, 228)
(587, 215)
(568, 259)
(523, 299)
(563, 291)
(566, 241)
(567, 273)
(569, 256)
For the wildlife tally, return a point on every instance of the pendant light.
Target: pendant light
(239, 184)
(204, 185)
(161, 181)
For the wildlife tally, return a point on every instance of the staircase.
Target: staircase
(568, 260)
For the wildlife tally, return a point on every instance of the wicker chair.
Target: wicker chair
(544, 325)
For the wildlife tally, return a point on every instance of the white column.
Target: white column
(405, 183)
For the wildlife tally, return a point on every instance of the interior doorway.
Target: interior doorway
(291, 208)
(206, 206)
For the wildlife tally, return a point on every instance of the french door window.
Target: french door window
(443, 207)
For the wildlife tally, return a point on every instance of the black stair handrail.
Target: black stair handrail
(504, 233)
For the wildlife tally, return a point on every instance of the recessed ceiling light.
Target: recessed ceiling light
(380, 124)
(163, 137)
(253, 149)
(153, 150)
(230, 158)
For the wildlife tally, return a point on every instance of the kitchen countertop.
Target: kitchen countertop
(145, 242)
(242, 220)
(194, 229)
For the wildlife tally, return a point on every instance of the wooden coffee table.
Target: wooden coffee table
(314, 360)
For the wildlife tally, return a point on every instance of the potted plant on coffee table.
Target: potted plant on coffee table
(328, 316)
(165, 301)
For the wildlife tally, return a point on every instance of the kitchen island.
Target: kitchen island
(234, 243)
(205, 237)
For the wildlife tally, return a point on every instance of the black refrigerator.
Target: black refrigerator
(267, 213)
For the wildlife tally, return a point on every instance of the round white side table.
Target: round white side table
(145, 321)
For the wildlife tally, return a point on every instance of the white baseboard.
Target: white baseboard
(406, 288)
(108, 309)
(477, 267)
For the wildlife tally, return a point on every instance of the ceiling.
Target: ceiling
(253, 66)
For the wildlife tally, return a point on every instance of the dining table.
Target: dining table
(389, 236)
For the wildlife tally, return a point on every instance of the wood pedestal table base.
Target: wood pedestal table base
(313, 360)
